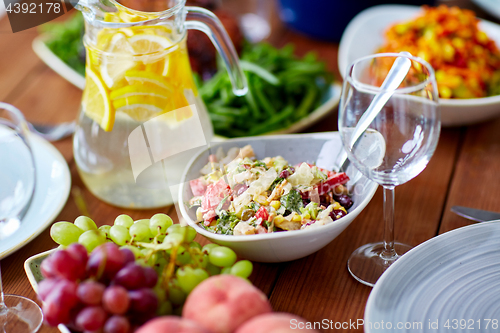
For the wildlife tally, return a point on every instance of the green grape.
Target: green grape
(175, 228)
(119, 234)
(161, 294)
(226, 270)
(142, 221)
(160, 265)
(207, 248)
(165, 309)
(140, 232)
(187, 232)
(147, 258)
(183, 257)
(91, 239)
(104, 229)
(200, 259)
(85, 223)
(212, 269)
(65, 233)
(222, 256)
(242, 268)
(195, 245)
(175, 293)
(174, 239)
(159, 223)
(191, 233)
(189, 277)
(135, 250)
(124, 220)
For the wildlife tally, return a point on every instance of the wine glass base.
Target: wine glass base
(366, 263)
(20, 315)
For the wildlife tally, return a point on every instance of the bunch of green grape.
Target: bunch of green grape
(180, 262)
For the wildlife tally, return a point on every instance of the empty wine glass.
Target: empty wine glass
(17, 184)
(396, 146)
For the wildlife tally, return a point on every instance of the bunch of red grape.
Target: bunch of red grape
(104, 291)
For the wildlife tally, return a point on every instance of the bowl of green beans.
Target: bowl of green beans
(286, 93)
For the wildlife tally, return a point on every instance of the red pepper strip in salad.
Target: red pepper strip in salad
(332, 182)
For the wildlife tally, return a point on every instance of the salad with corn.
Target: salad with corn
(238, 194)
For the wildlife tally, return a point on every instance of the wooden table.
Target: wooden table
(463, 171)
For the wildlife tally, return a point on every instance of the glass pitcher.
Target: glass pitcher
(141, 117)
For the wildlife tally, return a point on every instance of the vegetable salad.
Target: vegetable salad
(466, 61)
(241, 195)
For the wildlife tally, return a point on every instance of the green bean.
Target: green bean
(260, 72)
(281, 89)
(307, 102)
(262, 99)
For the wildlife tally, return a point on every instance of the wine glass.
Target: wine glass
(396, 146)
(17, 184)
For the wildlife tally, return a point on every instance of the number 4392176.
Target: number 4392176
(33, 8)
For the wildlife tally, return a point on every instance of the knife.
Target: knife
(473, 214)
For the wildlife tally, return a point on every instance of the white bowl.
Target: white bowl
(288, 245)
(365, 34)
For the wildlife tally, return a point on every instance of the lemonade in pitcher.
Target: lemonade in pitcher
(141, 117)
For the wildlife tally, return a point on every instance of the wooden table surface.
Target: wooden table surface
(463, 171)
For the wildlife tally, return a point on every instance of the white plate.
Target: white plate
(53, 183)
(455, 275)
(329, 101)
(492, 7)
(365, 34)
(56, 64)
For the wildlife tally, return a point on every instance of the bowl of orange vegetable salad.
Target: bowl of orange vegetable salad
(463, 50)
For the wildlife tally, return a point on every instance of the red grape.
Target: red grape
(59, 301)
(78, 252)
(131, 277)
(46, 286)
(143, 301)
(117, 324)
(66, 266)
(106, 258)
(65, 293)
(47, 268)
(116, 300)
(91, 318)
(129, 255)
(90, 292)
(151, 277)
(54, 313)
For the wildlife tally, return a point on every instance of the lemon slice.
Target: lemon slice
(140, 108)
(96, 102)
(148, 43)
(139, 90)
(117, 61)
(135, 77)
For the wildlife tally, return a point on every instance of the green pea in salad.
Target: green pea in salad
(238, 194)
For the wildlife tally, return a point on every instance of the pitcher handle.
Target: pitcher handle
(204, 20)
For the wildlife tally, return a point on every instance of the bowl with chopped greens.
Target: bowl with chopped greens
(272, 198)
(463, 50)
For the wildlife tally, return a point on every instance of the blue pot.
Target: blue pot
(327, 19)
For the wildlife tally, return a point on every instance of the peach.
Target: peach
(274, 323)
(221, 303)
(171, 324)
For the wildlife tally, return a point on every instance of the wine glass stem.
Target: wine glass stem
(389, 252)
